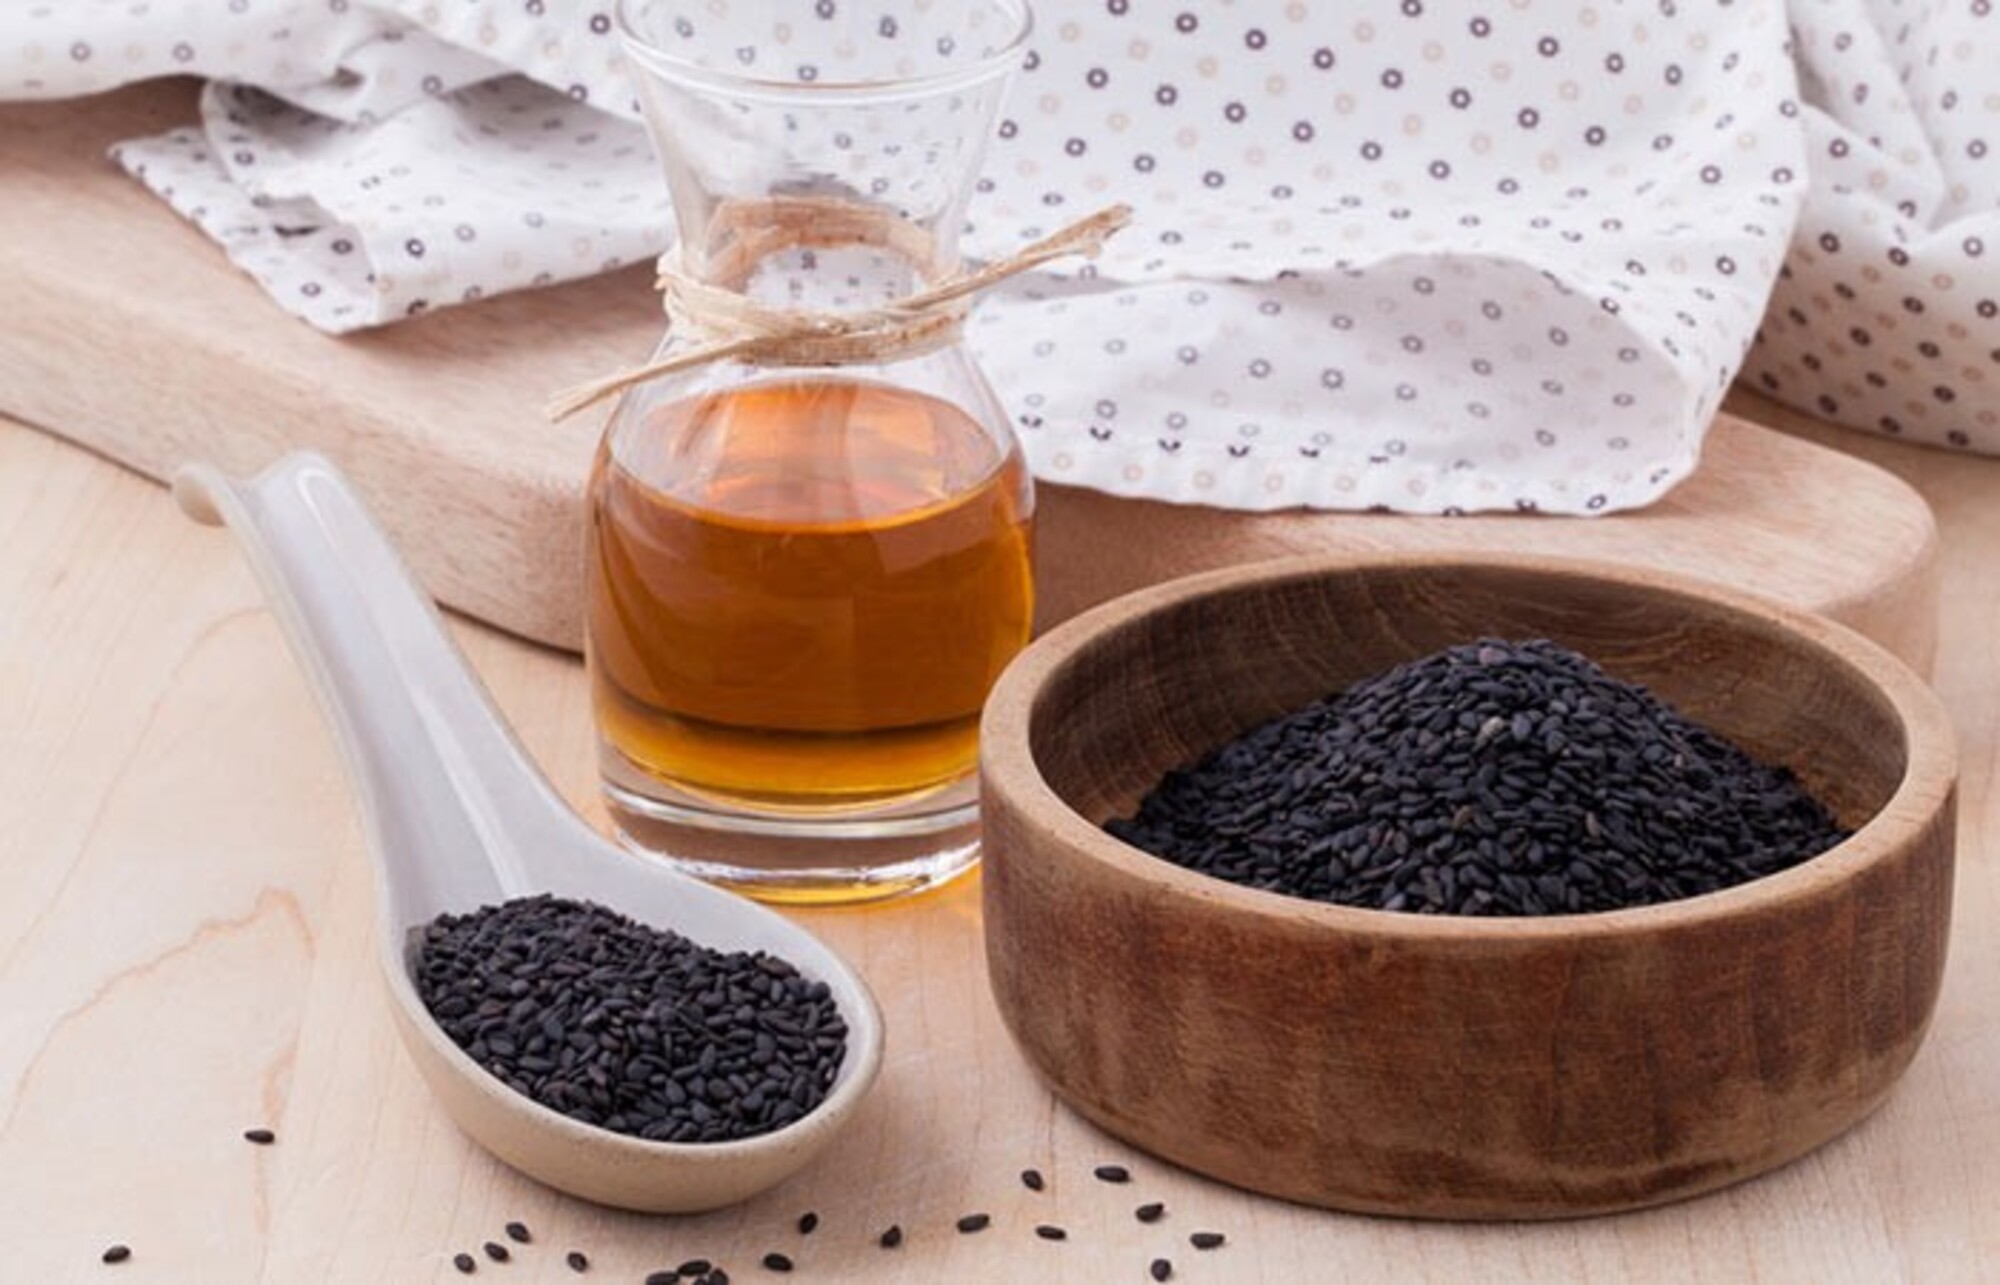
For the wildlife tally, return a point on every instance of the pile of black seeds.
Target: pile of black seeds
(1495, 778)
(627, 1027)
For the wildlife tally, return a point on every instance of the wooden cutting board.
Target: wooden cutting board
(125, 330)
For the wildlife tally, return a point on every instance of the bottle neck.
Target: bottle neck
(817, 253)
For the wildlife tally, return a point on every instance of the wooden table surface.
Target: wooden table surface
(184, 954)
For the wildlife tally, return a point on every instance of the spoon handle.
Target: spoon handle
(452, 798)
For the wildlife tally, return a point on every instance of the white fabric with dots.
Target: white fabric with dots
(1418, 254)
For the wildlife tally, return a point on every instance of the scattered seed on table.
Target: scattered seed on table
(1112, 1173)
(1032, 1179)
(117, 1253)
(808, 1223)
(629, 1028)
(496, 1251)
(465, 1263)
(1049, 1231)
(518, 1233)
(974, 1222)
(892, 1237)
(578, 1260)
(1162, 1269)
(1150, 1212)
(695, 1267)
(1207, 1239)
(777, 1262)
(262, 1137)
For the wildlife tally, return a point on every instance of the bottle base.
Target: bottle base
(802, 857)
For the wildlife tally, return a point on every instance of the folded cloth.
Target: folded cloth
(1395, 253)
(1887, 315)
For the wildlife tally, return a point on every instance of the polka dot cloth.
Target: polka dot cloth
(1409, 254)
(1887, 315)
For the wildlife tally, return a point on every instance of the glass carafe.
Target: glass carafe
(805, 573)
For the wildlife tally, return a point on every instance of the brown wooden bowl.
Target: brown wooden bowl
(1460, 1067)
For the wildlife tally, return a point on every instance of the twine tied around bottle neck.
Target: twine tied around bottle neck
(726, 324)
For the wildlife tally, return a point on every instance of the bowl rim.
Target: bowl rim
(1009, 772)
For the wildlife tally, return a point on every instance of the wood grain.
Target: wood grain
(184, 953)
(127, 331)
(1483, 1068)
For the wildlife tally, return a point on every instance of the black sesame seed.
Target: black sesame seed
(1032, 1179)
(717, 1277)
(777, 1262)
(1049, 1231)
(1162, 1269)
(1150, 1213)
(262, 1137)
(974, 1222)
(578, 1260)
(1493, 778)
(1112, 1173)
(117, 1253)
(695, 1267)
(1207, 1239)
(663, 1278)
(465, 1263)
(808, 1223)
(628, 1028)
(496, 1251)
(518, 1233)
(891, 1238)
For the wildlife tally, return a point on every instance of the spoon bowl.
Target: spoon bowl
(458, 817)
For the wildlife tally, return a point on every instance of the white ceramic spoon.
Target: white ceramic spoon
(459, 817)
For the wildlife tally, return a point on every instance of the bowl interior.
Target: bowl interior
(1164, 685)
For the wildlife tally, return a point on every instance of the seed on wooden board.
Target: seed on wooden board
(1049, 1231)
(578, 1260)
(1207, 1239)
(496, 1251)
(776, 1262)
(518, 1233)
(262, 1137)
(1162, 1269)
(117, 1253)
(629, 1028)
(1112, 1173)
(808, 1223)
(1496, 778)
(974, 1222)
(1032, 1179)
(891, 1238)
(1150, 1212)
(465, 1263)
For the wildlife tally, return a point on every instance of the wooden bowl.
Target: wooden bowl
(1460, 1067)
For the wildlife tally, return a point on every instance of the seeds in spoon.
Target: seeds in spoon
(628, 1027)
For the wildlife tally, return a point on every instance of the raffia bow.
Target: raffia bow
(725, 324)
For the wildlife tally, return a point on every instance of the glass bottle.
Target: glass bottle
(805, 577)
